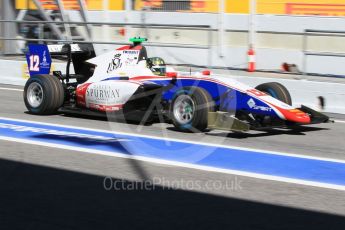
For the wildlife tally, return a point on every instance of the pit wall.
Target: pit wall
(279, 39)
(304, 92)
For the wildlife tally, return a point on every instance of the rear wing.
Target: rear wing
(65, 49)
(39, 57)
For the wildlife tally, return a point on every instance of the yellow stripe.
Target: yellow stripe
(116, 5)
(237, 6)
(231, 6)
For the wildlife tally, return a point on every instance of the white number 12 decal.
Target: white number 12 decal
(34, 63)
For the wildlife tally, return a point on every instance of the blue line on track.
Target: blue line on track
(225, 158)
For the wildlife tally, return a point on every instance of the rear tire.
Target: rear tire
(43, 94)
(189, 109)
(277, 91)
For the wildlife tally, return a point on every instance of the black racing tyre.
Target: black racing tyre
(189, 109)
(277, 91)
(43, 94)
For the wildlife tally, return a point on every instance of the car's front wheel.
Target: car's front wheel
(189, 109)
(43, 94)
(277, 91)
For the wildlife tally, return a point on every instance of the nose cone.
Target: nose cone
(296, 115)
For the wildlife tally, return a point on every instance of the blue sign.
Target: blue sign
(38, 59)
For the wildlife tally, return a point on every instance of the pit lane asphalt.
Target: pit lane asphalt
(278, 205)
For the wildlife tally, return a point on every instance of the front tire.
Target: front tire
(276, 90)
(189, 109)
(43, 94)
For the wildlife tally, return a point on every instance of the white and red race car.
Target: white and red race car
(126, 82)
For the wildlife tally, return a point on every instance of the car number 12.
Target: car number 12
(34, 63)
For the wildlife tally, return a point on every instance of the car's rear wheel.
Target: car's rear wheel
(189, 109)
(277, 91)
(43, 94)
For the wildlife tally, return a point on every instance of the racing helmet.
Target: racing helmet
(157, 66)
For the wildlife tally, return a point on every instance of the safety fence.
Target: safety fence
(315, 46)
(41, 25)
(137, 28)
(224, 39)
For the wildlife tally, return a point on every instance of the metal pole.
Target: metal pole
(138, 25)
(64, 18)
(304, 50)
(46, 17)
(105, 28)
(221, 28)
(41, 33)
(9, 29)
(210, 50)
(143, 10)
(109, 43)
(128, 9)
(83, 11)
(1, 26)
(252, 26)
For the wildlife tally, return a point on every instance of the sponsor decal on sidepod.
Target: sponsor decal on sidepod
(251, 103)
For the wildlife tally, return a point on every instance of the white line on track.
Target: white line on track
(179, 164)
(11, 89)
(339, 121)
(182, 141)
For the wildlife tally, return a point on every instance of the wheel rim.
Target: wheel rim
(35, 95)
(184, 109)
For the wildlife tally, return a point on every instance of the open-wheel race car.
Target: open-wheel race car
(126, 82)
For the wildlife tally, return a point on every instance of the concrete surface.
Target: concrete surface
(61, 189)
